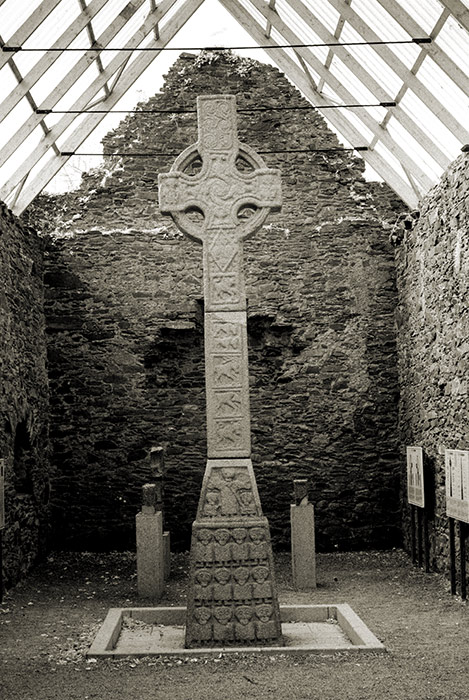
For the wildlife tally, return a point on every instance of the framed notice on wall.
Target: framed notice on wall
(457, 484)
(2, 493)
(415, 489)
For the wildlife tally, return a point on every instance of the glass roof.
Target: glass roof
(412, 55)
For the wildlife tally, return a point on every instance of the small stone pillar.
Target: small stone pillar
(157, 469)
(303, 549)
(150, 547)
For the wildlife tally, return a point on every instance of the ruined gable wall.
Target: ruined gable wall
(124, 293)
(433, 339)
(23, 396)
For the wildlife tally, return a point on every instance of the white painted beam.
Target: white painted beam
(68, 81)
(412, 127)
(401, 70)
(407, 22)
(330, 53)
(459, 11)
(49, 58)
(345, 94)
(84, 101)
(418, 62)
(36, 18)
(135, 69)
(342, 125)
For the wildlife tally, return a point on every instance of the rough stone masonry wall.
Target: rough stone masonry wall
(433, 339)
(23, 396)
(124, 312)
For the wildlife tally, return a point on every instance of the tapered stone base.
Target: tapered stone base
(232, 593)
(233, 596)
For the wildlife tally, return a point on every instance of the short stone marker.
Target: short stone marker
(232, 596)
(303, 546)
(157, 470)
(150, 547)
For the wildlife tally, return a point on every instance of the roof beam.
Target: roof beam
(419, 134)
(68, 81)
(49, 58)
(28, 27)
(136, 68)
(459, 11)
(343, 126)
(330, 53)
(84, 101)
(268, 28)
(407, 22)
(418, 62)
(401, 70)
(340, 90)
(156, 30)
(92, 38)
(31, 101)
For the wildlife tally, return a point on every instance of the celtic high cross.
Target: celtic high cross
(232, 594)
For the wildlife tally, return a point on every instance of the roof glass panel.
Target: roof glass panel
(411, 104)
(415, 150)
(425, 12)
(436, 79)
(329, 15)
(302, 30)
(387, 66)
(454, 40)
(379, 20)
(359, 93)
(368, 57)
(13, 15)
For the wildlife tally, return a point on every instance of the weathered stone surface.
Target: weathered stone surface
(227, 385)
(23, 397)
(151, 565)
(234, 595)
(303, 546)
(433, 329)
(125, 337)
(229, 488)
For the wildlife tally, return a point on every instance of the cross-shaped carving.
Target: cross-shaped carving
(229, 516)
(220, 192)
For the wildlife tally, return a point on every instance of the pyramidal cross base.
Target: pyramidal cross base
(232, 592)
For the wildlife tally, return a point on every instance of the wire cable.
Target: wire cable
(174, 154)
(194, 111)
(420, 40)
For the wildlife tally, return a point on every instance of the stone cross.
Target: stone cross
(232, 595)
(219, 191)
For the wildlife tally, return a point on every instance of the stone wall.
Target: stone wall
(124, 315)
(23, 396)
(433, 339)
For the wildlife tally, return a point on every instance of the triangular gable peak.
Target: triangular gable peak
(407, 60)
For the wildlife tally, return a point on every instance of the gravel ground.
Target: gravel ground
(48, 622)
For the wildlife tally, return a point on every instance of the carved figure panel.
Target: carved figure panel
(227, 370)
(229, 494)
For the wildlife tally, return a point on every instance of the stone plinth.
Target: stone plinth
(303, 549)
(150, 554)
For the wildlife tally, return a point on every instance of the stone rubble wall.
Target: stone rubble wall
(23, 397)
(124, 316)
(432, 259)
